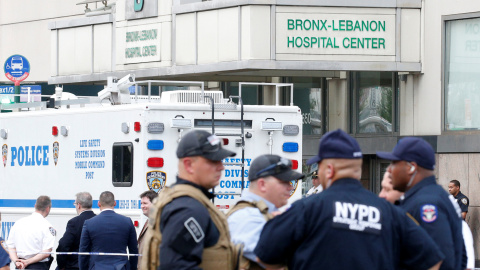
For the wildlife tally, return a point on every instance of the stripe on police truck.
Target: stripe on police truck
(62, 203)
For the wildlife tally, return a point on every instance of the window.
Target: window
(122, 164)
(462, 74)
(310, 95)
(374, 102)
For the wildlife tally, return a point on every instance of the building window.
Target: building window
(374, 102)
(122, 164)
(309, 93)
(462, 74)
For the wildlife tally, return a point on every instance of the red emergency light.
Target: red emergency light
(136, 126)
(55, 131)
(294, 164)
(155, 162)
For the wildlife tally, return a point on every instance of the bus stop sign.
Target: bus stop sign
(16, 68)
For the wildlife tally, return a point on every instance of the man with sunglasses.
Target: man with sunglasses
(412, 169)
(345, 226)
(270, 179)
(186, 230)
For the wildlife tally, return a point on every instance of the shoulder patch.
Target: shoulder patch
(429, 213)
(52, 231)
(464, 201)
(195, 230)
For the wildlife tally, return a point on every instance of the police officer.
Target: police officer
(463, 202)
(189, 231)
(316, 188)
(345, 226)
(32, 235)
(412, 165)
(269, 189)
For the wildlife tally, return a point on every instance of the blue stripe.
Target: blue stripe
(55, 203)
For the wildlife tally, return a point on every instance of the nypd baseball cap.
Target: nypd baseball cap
(412, 149)
(204, 144)
(337, 144)
(273, 165)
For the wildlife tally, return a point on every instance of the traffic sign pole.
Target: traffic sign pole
(16, 69)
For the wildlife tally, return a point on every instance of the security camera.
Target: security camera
(125, 82)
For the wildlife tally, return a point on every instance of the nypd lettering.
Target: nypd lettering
(30, 155)
(429, 213)
(357, 217)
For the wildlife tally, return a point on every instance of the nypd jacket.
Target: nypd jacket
(346, 227)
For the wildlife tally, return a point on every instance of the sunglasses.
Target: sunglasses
(281, 166)
(212, 145)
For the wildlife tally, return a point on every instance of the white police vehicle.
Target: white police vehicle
(126, 144)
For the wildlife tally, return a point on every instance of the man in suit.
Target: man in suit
(146, 199)
(108, 232)
(71, 239)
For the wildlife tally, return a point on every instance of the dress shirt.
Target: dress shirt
(246, 224)
(30, 235)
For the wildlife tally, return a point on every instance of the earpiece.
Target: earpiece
(412, 168)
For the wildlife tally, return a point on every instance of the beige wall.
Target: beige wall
(427, 87)
(465, 168)
(24, 30)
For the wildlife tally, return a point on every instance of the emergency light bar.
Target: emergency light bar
(125, 127)
(155, 162)
(291, 147)
(155, 145)
(294, 164)
(181, 123)
(155, 128)
(271, 126)
(55, 131)
(4, 133)
(64, 130)
(291, 130)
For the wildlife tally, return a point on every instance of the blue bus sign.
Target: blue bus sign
(16, 68)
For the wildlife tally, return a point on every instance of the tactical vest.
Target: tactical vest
(262, 206)
(224, 255)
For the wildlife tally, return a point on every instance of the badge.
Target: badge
(195, 230)
(4, 245)
(4, 154)
(429, 213)
(156, 180)
(464, 201)
(55, 152)
(52, 231)
(294, 184)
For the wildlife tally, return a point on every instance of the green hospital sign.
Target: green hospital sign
(335, 34)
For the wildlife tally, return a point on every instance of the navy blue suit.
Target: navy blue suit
(108, 232)
(71, 241)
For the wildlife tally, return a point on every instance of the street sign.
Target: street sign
(7, 93)
(16, 68)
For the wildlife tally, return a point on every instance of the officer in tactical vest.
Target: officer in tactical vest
(187, 230)
(270, 187)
